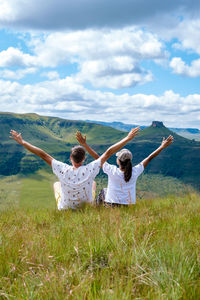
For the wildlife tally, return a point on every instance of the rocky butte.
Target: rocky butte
(158, 124)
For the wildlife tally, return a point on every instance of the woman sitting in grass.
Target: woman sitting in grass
(76, 181)
(121, 188)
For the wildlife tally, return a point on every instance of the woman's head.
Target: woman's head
(124, 158)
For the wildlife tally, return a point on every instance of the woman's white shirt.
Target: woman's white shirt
(120, 191)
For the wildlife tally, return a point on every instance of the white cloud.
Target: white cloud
(185, 32)
(18, 74)
(7, 12)
(181, 68)
(52, 75)
(116, 73)
(97, 44)
(188, 34)
(66, 98)
(105, 58)
(13, 57)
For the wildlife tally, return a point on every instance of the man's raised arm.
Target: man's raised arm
(37, 151)
(164, 144)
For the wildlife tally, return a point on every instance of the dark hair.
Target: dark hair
(126, 166)
(78, 154)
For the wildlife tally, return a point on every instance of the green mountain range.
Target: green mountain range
(56, 136)
(189, 133)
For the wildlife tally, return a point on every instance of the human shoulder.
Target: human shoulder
(94, 163)
(58, 165)
(138, 169)
(109, 168)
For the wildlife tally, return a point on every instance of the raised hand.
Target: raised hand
(166, 142)
(133, 133)
(16, 136)
(80, 138)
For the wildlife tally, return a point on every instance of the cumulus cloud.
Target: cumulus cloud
(7, 11)
(181, 68)
(78, 14)
(105, 58)
(18, 74)
(187, 34)
(68, 99)
(13, 57)
(59, 47)
(52, 75)
(116, 73)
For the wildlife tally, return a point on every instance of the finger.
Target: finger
(134, 130)
(13, 131)
(170, 137)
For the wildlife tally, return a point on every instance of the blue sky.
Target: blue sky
(130, 61)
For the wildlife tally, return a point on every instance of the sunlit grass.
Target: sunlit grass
(148, 251)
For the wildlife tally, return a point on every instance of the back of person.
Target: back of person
(75, 183)
(119, 191)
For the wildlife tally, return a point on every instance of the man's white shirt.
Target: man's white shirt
(76, 183)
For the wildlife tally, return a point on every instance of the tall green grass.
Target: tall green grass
(148, 251)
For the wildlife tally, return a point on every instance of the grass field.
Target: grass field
(148, 251)
(36, 190)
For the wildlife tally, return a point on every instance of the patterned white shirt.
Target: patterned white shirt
(76, 184)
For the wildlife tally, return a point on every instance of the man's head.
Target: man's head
(78, 154)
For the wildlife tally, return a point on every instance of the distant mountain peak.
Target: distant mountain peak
(158, 124)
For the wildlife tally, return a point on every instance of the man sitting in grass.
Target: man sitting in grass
(76, 180)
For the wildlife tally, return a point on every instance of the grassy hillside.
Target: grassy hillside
(148, 251)
(36, 190)
(49, 131)
(56, 136)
